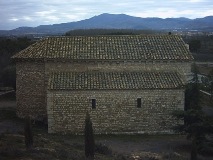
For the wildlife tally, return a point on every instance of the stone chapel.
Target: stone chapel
(127, 83)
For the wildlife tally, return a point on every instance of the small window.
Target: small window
(139, 103)
(93, 103)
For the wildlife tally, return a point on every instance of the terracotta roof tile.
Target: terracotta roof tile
(113, 80)
(128, 47)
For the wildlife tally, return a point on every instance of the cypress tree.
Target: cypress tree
(28, 133)
(89, 138)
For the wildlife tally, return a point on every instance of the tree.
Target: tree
(28, 133)
(196, 123)
(89, 138)
(210, 80)
(8, 47)
(8, 76)
(194, 45)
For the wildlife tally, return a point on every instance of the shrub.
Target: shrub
(102, 149)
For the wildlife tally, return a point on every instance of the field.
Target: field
(108, 147)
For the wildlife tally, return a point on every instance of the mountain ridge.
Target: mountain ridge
(118, 21)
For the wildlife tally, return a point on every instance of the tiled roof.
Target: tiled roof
(125, 47)
(113, 80)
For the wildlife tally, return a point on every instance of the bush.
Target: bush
(102, 149)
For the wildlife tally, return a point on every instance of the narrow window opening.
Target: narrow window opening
(139, 103)
(93, 103)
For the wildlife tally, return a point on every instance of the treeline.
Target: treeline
(200, 44)
(92, 32)
(9, 47)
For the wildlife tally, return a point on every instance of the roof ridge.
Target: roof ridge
(144, 35)
(96, 71)
(109, 47)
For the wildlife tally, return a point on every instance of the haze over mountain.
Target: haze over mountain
(119, 21)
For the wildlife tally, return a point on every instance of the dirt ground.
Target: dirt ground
(7, 113)
(155, 144)
(150, 146)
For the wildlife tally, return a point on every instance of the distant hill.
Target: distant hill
(119, 21)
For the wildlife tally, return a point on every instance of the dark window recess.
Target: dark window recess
(139, 102)
(93, 103)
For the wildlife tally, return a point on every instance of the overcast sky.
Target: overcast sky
(16, 13)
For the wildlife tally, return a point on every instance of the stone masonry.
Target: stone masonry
(30, 89)
(115, 112)
(100, 67)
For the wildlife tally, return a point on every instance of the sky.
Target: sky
(32, 13)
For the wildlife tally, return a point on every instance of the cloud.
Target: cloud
(27, 18)
(196, 1)
(45, 13)
(14, 19)
(173, 13)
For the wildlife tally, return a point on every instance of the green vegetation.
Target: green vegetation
(9, 47)
(201, 44)
(197, 126)
(206, 84)
(194, 45)
(89, 138)
(94, 32)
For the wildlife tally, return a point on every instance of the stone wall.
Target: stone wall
(184, 68)
(116, 110)
(30, 93)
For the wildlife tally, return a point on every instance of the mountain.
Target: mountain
(201, 23)
(118, 21)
